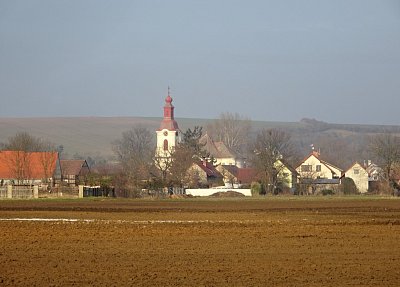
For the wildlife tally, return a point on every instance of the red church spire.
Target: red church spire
(168, 108)
(169, 122)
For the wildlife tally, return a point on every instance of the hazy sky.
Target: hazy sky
(336, 61)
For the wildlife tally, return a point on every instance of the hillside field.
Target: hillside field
(93, 136)
(269, 241)
(88, 136)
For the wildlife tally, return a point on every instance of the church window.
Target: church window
(165, 145)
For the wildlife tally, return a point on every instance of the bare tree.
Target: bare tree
(24, 142)
(232, 129)
(270, 146)
(182, 159)
(19, 165)
(386, 149)
(307, 184)
(135, 152)
(188, 151)
(163, 162)
(23, 145)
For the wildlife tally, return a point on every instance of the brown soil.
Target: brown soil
(228, 193)
(193, 242)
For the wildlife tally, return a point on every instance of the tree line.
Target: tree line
(141, 169)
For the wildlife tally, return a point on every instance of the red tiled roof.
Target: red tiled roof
(27, 165)
(209, 169)
(243, 175)
(247, 175)
(168, 121)
(169, 124)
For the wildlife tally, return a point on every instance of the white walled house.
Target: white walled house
(359, 175)
(314, 167)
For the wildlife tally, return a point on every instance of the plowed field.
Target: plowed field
(193, 242)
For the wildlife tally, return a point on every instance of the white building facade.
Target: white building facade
(168, 135)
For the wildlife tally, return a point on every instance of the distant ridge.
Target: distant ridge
(93, 136)
(86, 136)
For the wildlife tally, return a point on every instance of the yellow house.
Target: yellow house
(359, 175)
(286, 174)
(313, 167)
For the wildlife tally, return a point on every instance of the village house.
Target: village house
(359, 175)
(204, 174)
(375, 175)
(33, 168)
(314, 167)
(74, 171)
(287, 176)
(317, 175)
(221, 153)
(375, 172)
(235, 177)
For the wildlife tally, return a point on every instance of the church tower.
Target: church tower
(168, 135)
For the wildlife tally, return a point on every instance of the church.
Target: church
(169, 137)
(169, 134)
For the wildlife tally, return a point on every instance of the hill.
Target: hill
(86, 136)
(93, 136)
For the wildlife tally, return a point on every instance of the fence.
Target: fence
(28, 191)
(19, 191)
(98, 191)
(3, 192)
(60, 192)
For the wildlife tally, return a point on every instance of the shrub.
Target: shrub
(327, 192)
(256, 189)
(348, 186)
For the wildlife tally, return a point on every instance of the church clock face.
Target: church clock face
(165, 133)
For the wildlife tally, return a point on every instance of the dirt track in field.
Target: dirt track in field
(229, 242)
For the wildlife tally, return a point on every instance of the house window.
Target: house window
(306, 167)
(318, 168)
(356, 171)
(165, 145)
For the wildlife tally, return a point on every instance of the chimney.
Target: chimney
(316, 153)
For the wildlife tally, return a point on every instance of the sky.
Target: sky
(336, 61)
